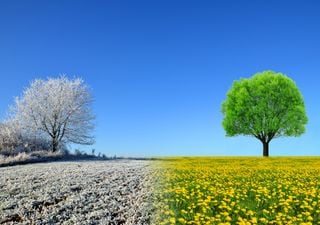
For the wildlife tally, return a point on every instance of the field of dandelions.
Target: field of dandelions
(240, 191)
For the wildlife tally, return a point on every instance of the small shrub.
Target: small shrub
(77, 152)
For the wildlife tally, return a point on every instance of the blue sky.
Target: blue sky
(159, 70)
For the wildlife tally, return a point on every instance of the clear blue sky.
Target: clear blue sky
(159, 70)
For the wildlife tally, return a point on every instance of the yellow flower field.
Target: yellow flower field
(238, 190)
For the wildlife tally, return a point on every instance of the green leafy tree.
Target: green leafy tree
(266, 106)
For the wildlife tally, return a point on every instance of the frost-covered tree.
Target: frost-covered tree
(59, 108)
(10, 135)
(14, 139)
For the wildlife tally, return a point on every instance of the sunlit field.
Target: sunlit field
(238, 190)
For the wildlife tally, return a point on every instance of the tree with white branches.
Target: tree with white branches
(58, 108)
(14, 139)
(10, 135)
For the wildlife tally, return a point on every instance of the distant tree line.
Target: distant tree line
(47, 116)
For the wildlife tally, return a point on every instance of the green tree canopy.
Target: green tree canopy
(267, 105)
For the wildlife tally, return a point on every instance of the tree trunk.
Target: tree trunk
(265, 149)
(54, 144)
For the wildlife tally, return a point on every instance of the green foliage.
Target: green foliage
(266, 106)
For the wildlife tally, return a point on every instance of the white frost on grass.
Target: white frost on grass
(92, 192)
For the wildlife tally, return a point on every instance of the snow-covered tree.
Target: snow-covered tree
(10, 135)
(14, 139)
(58, 108)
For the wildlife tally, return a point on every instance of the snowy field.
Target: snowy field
(88, 192)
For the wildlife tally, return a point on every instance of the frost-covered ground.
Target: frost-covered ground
(91, 192)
